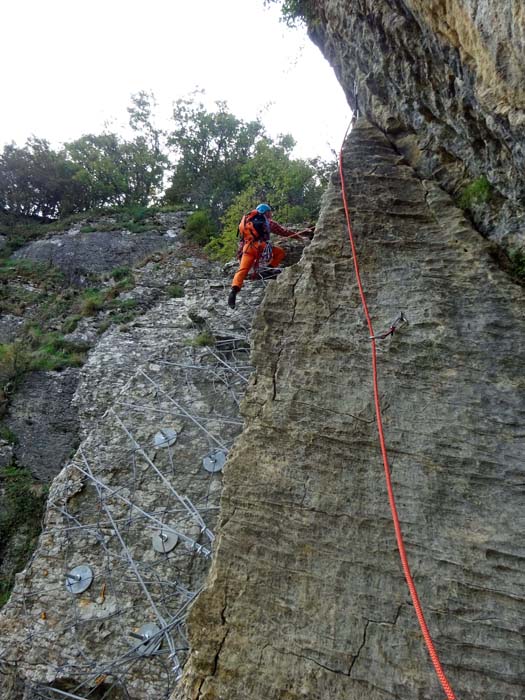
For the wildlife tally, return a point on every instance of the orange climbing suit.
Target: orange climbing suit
(253, 247)
(251, 253)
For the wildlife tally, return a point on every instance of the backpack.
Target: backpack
(253, 227)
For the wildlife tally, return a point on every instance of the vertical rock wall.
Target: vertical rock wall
(306, 597)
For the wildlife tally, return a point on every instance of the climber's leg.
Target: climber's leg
(247, 260)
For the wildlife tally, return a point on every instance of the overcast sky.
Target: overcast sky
(70, 66)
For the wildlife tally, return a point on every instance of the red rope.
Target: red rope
(399, 535)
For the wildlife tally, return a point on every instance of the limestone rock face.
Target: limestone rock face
(306, 597)
(445, 79)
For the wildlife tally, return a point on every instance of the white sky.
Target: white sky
(69, 66)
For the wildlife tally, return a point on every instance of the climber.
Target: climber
(255, 247)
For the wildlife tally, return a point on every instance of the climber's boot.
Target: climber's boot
(232, 296)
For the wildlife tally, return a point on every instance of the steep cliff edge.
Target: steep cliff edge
(306, 598)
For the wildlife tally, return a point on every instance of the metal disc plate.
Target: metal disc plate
(79, 579)
(215, 461)
(164, 541)
(166, 437)
(150, 632)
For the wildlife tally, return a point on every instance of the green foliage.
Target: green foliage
(7, 434)
(123, 304)
(478, 192)
(36, 181)
(175, 291)
(210, 148)
(70, 323)
(31, 271)
(121, 273)
(200, 227)
(203, 339)
(51, 351)
(13, 362)
(293, 12)
(217, 161)
(224, 247)
(292, 186)
(91, 172)
(21, 512)
(37, 349)
(517, 258)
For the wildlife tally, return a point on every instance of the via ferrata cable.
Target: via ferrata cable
(397, 527)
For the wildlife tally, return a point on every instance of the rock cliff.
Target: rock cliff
(129, 526)
(305, 598)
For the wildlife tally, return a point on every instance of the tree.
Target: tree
(293, 12)
(148, 162)
(36, 181)
(293, 187)
(210, 150)
(101, 169)
(115, 172)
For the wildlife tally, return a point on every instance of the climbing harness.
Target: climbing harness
(401, 320)
(395, 517)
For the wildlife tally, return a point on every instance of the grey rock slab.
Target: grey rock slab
(44, 421)
(78, 254)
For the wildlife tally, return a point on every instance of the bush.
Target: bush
(175, 291)
(7, 434)
(478, 192)
(200, 227)
(120, 273)
(293, 12)
(13, 362)
(55, 352)
(70, 323)
(93, 301)
(203, 339)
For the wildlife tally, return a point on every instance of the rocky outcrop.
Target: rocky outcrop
(44, 422)
(306, 596)
(77, 253)
(444, 79)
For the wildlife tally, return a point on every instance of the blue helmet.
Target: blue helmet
(263, 208)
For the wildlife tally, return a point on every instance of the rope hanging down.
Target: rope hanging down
(397, 527)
